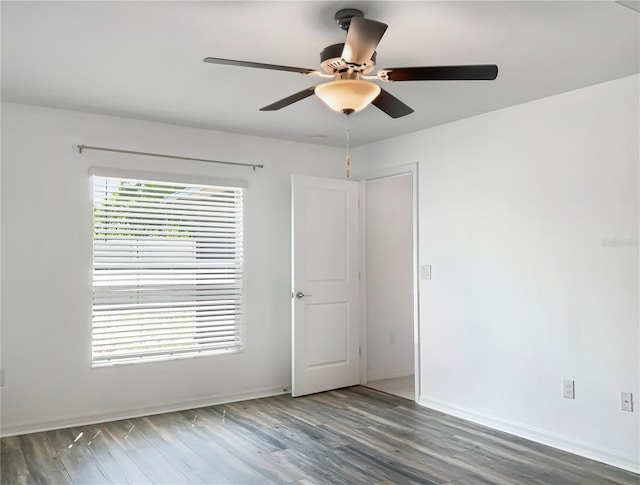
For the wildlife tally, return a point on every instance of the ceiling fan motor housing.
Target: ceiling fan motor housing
(332, 62)
(344, 16)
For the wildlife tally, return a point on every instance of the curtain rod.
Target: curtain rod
(160, 155)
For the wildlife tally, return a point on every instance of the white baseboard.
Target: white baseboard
(565, 443)
(103, 417)
(389, 375)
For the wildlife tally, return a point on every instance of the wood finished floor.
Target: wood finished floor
(350, 436)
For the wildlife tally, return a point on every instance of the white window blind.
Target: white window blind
(167, 270)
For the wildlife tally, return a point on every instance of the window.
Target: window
(167, 270)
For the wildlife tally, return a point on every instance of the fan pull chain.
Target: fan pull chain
(348, 160)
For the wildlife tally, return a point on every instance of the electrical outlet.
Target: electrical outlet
(569, 389)
(626, 401)
(425, 272)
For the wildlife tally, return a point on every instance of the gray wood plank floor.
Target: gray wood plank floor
(349, 436)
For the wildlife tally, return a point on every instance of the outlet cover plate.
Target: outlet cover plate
(569, 389)
(425, 272)
(626, 401)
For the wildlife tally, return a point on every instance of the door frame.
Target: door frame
(405, 169)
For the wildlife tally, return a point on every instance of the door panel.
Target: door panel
(327, 334)
(325, 327)
(325, 234)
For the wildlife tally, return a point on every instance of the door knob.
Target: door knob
(299, 295)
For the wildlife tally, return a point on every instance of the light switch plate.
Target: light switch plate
(626, 401)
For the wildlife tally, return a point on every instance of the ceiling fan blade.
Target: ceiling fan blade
(284, 102)
(480, 72)
(391, 105)
(363, 37)
(259, 65)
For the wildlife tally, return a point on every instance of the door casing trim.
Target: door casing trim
(404, 169)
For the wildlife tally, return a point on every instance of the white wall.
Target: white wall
(515, 211)
(46, 267)
(389, 277)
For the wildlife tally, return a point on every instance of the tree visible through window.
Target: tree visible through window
(167, 270)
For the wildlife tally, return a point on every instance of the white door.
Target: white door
(325, 303)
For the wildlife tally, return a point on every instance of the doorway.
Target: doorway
(333, 343)
(390, 322)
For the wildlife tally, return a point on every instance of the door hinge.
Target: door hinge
(358, 275)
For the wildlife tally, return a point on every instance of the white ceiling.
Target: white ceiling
(144, 59)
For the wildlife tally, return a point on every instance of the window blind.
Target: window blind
(167, 270)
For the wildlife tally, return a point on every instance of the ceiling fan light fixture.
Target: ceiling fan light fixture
(347, 95)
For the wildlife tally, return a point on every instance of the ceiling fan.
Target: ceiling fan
(350, 63)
